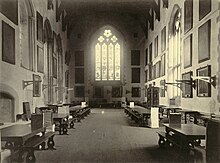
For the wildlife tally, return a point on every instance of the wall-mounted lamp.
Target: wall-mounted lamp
(26, 83)
(64, 88)
(36, 80)
(208, 79)
(44, 86)
(189, 82)
(178, 84)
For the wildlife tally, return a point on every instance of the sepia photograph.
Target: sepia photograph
(109, 81)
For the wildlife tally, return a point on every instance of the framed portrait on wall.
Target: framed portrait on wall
(36, 85)
(136, 92)
(187, 91)
(188, 51)
(204, 88)
(40, 59)
(204, 37)
(54, 67)
(116, 92)
(8, 43)
(162, 89)
(39, 27)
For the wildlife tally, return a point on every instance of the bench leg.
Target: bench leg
(20, 155)
(9, 145)
(30, 156)
(43, 146)
(51, 143)
(162, 142)
(72, 124)
(65, 129)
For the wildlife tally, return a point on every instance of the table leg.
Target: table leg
(195, 118)
(51, 143)
(30, 156)
(65, 130)
(60, 127)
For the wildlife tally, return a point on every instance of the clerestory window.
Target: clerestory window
(107, 57)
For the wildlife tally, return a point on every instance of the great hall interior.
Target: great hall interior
(110, 81)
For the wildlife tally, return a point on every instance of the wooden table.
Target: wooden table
(16, 136)
(62, 119)
(206, 118)
(139, 114)
(170, 108)
(185, 136)
(190, 112)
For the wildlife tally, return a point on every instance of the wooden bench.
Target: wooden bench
(133, 114)
(186, 137)
(35, 142)
(82, 113)
(139, 114)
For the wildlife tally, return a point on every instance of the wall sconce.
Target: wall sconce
(36, 79)
(208, 79)
(178, 84)
(44, 86)
(64, 88)
(26, 83)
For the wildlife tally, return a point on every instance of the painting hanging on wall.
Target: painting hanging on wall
(39, 27)
(187, 91)
(8, 43)
(40, 59)
(204, 88)
(36, 85)
(116, 92)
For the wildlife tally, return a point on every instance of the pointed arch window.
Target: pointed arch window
(107, 57)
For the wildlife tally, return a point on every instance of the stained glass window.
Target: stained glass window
(107, 57)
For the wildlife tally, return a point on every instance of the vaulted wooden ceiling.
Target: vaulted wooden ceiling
(138, 9)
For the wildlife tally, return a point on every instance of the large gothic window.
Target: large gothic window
(107, 57)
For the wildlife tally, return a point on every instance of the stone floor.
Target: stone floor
(108, 135)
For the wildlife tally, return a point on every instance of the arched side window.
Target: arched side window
(26, 34)
(174, 55)
(107, 57)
